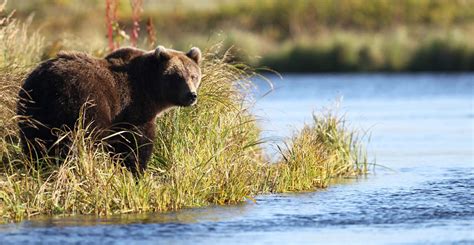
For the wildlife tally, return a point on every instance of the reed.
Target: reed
(323, 150)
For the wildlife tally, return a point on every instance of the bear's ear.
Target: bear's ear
(194, 54)
(162, 54)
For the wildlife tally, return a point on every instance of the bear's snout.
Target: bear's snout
(191, 98)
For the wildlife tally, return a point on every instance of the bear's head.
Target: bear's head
(179, 75)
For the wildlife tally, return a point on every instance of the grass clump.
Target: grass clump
(204, 155)
(321, 151)
(20, 49)
(207, 154)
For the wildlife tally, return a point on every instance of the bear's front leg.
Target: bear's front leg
(145, 143)
(134, 145)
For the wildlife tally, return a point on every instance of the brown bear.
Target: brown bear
(127, 90)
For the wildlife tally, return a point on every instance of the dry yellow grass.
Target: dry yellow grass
(207, 154)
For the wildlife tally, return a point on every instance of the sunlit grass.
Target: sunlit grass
(207, 154)
(321, 151)
(20, 49)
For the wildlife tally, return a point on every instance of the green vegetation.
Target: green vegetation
(207, 154)
(391, 52)
(286, 35)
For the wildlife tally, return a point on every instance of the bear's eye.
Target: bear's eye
(193, 77)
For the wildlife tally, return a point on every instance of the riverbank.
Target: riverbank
(208, 154)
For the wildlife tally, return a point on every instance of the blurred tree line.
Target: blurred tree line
(319, 35)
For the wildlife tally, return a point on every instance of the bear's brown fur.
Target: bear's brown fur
(127, 90)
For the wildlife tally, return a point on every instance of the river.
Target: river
(421, 190)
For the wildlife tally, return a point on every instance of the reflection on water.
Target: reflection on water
(421, 127)
(196, 215)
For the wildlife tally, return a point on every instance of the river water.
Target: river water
(422, 136)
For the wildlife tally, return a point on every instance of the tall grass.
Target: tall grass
(208, 154)
(321, 151)
(20, 49)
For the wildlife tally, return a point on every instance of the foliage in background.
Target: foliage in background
(136, 12)
(393, 51)
(316, 35)
(111, 21)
